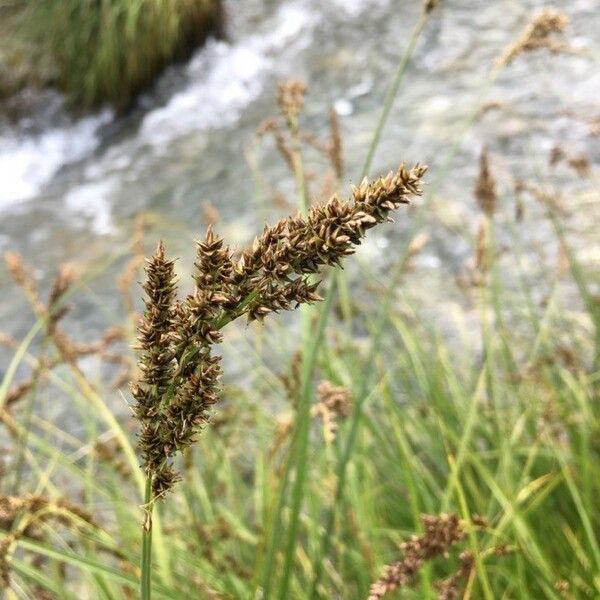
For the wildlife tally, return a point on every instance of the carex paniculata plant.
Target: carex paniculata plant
(179, 371)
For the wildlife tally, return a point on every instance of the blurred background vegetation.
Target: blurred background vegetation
(99, 52)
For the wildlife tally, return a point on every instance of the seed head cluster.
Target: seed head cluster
(450, 588)
(537, 35)
(290, 100)
(38, 510)
(179, 373)
(440, 534)
(334, 402)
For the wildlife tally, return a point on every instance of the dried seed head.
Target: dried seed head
(290, 100)
(179, 374)
(271, 126)
(213, 264)
(267, 126)
(18, 391)
(578, 162)
(39, 510)
(21, 274)
(485, 186)
(64, 280)
(440, 534)
(60, 510)
(430, 5)
(299, 246)
(333, 403)
(334, 147)
(538, 35)
(156, 358)
(482, 254)
(451, 587)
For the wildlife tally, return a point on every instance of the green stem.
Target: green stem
(326, 538)
(303, 443)
(311, 343)
(341, 470)
(146, 564)
(275, 530)
(392, 92)
(580, 281)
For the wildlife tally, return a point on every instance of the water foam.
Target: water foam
(28, 162)
(224, 79)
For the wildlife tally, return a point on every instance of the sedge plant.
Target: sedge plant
(180, 373)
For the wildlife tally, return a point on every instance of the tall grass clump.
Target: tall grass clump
(110, 51)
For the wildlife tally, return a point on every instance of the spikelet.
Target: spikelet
(299, 246)
(155, 362)
(450, 588)
(430, 5)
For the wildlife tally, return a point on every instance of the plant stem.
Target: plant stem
(303, 443)
(387, 106)
(326, 538)
(146, 564)
(392, 92)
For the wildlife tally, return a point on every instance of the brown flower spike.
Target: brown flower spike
(538, 35)
(179, 374)
(485, 186)
(440, 534)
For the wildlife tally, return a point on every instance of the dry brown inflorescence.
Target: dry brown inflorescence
(291, 141)
(485, 186)
(23, 516)
(538, 34)
(333, 403)
(179, 372)
(440, 534)
(53, 311)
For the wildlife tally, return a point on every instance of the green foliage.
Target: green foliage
(109, 50)
(513, 441)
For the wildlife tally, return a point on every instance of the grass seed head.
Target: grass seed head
(290, 100)
(179, 379)
(485, 186)
(440, 534)
(538, 35)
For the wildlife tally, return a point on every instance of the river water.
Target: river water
(71, 187)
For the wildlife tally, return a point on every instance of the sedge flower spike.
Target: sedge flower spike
(179, 373)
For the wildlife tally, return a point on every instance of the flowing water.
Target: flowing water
(70, 188)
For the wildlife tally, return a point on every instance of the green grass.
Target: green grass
(493, 421)
(441, 431)
(110, 50)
